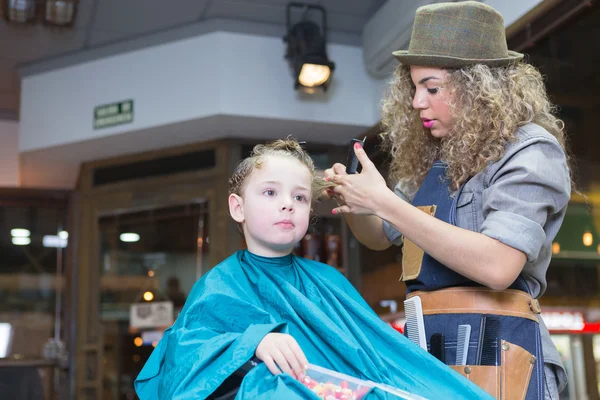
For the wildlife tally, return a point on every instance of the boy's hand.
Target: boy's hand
(281, 350)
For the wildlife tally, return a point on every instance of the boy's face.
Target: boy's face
(275, 207)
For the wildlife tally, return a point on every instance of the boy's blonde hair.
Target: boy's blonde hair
(284, 148)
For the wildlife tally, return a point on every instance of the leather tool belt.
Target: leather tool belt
(476, 300)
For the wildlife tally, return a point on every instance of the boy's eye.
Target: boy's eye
(269, 192)
(300, 197)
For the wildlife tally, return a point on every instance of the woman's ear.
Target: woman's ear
(236, 208)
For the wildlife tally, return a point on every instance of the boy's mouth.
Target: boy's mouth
(286, 223)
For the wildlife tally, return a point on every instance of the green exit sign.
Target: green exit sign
(113, 114)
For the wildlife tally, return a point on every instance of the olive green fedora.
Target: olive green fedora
(455, 35)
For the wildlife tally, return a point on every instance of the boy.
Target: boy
(284, 310)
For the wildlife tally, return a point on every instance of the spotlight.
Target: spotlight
(61, 12)
(306, 49)
(20, 11)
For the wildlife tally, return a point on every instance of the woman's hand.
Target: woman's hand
(359, 192)
(336, 169)
(281, 350)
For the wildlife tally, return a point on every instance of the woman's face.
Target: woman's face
(431, 99)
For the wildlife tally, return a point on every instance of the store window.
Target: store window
(33, 242)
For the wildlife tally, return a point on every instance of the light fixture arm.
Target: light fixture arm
(306, 7)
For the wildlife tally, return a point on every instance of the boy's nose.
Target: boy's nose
(287, 206)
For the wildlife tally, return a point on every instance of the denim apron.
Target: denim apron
(435, 197)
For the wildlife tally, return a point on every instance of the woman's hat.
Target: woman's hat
(455, 35)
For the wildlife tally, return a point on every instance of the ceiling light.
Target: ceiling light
(54, 241)
(129, 237)
(148, 296)
(60, 12)
(21, 11)
(6, 334)
(588, 239)
(21, 241)
(20, 232)
(306, 49)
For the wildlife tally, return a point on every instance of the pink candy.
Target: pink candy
(331, 391)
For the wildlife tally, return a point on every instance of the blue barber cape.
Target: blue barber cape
(237, 303)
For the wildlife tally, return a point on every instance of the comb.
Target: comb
(437, 347)
(462, 344)
(352, 161)
(480, 341)
(489, 351)
(415, 327)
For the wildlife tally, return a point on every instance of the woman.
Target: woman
(482, 188)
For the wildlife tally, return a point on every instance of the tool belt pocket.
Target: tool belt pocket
(412, 255)
(508, 381)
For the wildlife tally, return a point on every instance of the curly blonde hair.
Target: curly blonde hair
(288, 147)
(488, 105)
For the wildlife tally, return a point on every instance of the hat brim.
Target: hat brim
(453, 62)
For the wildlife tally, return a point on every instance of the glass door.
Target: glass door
(149, 261)
(571, 350)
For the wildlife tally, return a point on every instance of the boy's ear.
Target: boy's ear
(236, 208)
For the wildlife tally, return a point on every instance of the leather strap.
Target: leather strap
(477, 300)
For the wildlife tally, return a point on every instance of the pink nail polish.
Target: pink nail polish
(334, 211)
(357, 145)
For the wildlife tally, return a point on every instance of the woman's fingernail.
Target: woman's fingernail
(357, 145)
(334, 211)
(326, 178)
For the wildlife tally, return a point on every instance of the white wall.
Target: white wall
(220, 73)
(9, 153)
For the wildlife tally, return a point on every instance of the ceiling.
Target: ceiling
(102, 24)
